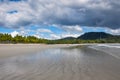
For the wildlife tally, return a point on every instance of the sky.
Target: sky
(55, 19)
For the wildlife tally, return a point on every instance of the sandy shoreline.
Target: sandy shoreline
(113, 50)
(7, 50)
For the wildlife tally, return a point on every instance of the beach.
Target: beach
(111, 49)
(58, 62)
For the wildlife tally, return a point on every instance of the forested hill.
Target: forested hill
(95, 35)
(92, 37)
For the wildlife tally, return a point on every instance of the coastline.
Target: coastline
(9, 50)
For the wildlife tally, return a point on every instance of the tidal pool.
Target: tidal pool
(61, 64)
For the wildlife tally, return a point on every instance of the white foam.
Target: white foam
(99, 47)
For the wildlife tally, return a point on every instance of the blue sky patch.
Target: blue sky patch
(12, 12)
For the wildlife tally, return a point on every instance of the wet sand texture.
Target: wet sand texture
(7, 50)
(61, 64)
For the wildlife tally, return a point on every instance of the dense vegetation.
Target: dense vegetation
(7, 38)
(93, 37)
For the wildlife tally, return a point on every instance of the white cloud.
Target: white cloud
(16, 20)
(67, 31)
(38, 36)
(75, 28)
(114, 31)
(54, 36)
(70, 35)
(63, 35)
(68, 15)
(14, 33)
(41, 30)
(63, 12)
(22, 31)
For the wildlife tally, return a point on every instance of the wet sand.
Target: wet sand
(76, 63)
(111, 49)
(7, 50)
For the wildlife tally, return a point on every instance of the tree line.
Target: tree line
(7, 38)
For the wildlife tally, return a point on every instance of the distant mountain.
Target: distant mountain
(95, 35)
(68, 38)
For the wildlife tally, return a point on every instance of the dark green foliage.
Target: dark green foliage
(95, 35)
(5, 38)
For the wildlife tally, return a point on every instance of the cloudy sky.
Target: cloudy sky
(54, 19)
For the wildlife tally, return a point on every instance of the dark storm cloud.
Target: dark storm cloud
(95, 13)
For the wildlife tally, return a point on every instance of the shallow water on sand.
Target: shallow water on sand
(61, 64)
